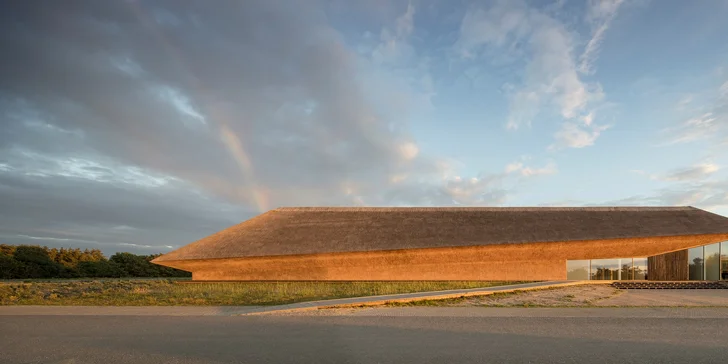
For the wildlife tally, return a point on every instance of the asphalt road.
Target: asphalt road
(420, 338)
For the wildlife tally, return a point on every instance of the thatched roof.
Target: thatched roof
(313, 230)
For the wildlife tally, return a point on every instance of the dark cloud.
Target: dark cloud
(137, 125)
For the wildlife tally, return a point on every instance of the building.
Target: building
(539, 243)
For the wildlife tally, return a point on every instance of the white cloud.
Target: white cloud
(34, 164)
(408, 150)
(696, 128)
(551, 80)
(709, 195)
(600, 15)
(573, 135)
(723, 91)
(697, 172)
(526, 171)
(588, 118)
(711, 125)
(394, 46)
(514, 167)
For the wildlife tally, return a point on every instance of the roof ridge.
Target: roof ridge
(483, 208)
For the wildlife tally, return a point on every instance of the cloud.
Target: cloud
(692, 173)
(708, 195)
(705, 126)
(574, 135)
(551, 81)
(723, 91)
(599, 16)
(710, 126)
(525, 171)
(697, 172)
(699, 185)
(394, 46)
(184, 119)
(684, 102)
(409, 150)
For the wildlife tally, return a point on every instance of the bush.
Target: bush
(24, 261)
(9, 267)
(100, 269)
(36, 263)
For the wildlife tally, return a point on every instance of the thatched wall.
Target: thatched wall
(535, 261)
(668, 267)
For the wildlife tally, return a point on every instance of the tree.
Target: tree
(133, 265)
(41, 262)
(36, 262)
(7, 249)
(101, 268)
(9, 267)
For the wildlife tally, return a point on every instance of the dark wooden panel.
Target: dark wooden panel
(668, 267)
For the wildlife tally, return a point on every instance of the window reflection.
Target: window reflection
(708, 262)
(605, 269)
(696, 264)
(640, 268)
(577, 270)
(627, 272)
(711, 254)
(724, 260)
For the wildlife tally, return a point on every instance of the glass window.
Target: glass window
(627, 273)
(577, 270)
(712, 262)
(605, 269)
(695, 261)
(640, 268)
(724, 260)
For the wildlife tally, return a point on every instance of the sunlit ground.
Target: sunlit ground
(166, 292)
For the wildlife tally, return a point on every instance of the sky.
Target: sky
(142, 126)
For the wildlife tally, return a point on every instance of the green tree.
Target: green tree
(9, 267)
(133, 265)
(36, 262)
(101, 269)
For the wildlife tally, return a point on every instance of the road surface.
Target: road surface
(396, 335)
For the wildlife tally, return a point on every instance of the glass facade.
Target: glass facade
(605, 269)
(712, 262)
(577, 270)
(608, 269)
(696, 268)
(709, 262)
(724, 260)
(640, 268)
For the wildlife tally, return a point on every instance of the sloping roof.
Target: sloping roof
(312, 230)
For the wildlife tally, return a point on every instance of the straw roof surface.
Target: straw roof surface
(314, 230)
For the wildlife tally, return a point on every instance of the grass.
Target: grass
(165, 292)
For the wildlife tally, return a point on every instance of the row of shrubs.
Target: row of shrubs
(32, 261)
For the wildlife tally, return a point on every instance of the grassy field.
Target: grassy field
(165, 292)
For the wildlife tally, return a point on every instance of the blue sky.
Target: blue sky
(145, 125)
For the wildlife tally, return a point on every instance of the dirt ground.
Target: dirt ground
(592, 296)
(574, 296)
(598, 296)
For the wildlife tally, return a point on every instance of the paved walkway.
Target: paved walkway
(249, 310)
(406, 297)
